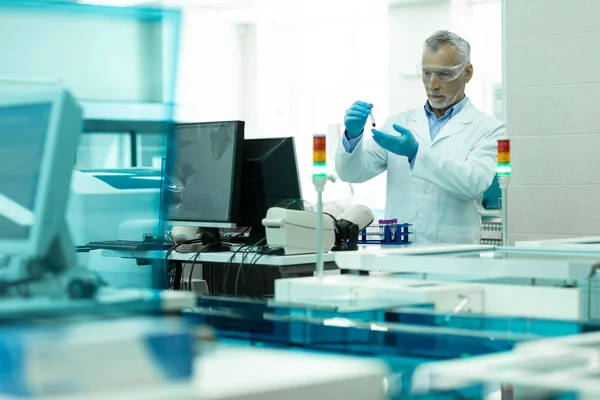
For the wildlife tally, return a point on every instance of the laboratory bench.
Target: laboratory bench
(264, 269)
(216, 266)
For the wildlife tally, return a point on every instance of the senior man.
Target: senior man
(439, 158)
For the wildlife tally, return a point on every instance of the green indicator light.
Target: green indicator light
(319, 169)
(504, 169)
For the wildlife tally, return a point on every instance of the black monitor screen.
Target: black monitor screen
(23, 131)
(203, 172)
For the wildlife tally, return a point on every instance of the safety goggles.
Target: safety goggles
(443, 74)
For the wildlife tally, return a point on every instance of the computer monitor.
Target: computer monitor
(270, 178)
(202, 174)
(39, 136)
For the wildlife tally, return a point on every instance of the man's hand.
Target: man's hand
(404, 145)
(356, 118)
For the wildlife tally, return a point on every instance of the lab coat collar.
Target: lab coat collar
(457, 123)
(420, 122)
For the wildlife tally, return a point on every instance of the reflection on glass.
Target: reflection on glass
(104, 151)
(151, 150)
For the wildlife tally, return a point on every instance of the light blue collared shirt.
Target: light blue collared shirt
(435, 124)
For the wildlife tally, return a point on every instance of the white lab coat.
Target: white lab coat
(441, 194)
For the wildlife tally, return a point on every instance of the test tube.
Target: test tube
(372, 118)
(381, 231)
(393, 229)
(387, 234)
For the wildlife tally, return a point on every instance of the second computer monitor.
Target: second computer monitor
(269, 178)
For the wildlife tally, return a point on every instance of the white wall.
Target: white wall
(210, 68)
(98, 57)
(249, 77)
(552, 91)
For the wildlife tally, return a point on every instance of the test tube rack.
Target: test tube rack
(386, 233)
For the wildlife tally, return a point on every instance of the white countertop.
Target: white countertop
(474, 260)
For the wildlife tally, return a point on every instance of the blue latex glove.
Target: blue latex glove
(356, 118)
(404, 145)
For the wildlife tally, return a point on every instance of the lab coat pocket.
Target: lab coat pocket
(453, 147)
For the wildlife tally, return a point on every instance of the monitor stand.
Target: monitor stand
(257, 233)
(56, 273)
(206, 235)
(60, 256)
(212, 235)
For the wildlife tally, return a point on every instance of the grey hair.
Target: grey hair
(439, 38)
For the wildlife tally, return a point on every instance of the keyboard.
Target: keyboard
(135, 245)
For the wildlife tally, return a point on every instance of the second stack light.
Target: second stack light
(504, 167)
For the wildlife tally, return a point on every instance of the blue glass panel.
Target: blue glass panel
(376, 333)
(533, 326)
(129, 55)
(130, 178)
